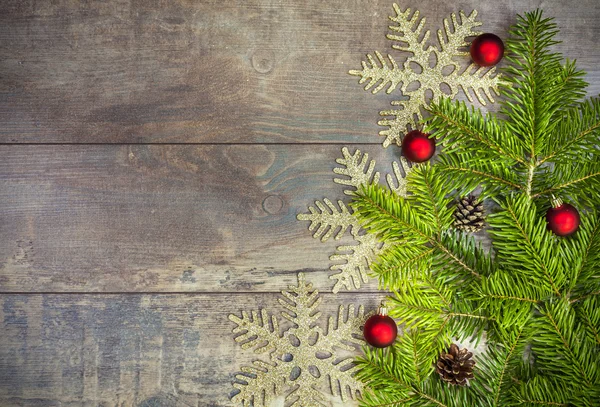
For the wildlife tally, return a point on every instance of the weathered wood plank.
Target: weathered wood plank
(213, 71)
(163, 218)
(129, 350)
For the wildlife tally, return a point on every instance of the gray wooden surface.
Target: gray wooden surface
(153, 158)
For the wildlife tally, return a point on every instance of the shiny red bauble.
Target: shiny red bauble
(380, 330)
(563, 219)
(417, 146)
(487, 49)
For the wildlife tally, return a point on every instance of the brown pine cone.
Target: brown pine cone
(456, 366)
(469, 214)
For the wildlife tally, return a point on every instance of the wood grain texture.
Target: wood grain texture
(129, 350)
(213, 71)
(164, 218)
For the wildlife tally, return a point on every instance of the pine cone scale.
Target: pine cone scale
(469, 215)
(456, 366)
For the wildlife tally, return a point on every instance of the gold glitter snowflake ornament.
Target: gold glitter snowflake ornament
(417, 70)
(301, 360)
(326, 220)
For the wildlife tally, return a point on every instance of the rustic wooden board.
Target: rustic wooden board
(129, 350)
(213, 71)
(164, 218)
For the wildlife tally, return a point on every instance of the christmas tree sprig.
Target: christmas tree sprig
(536, 300)
(545, 140)
(534, 297)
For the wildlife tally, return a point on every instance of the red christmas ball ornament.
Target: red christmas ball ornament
(563, 219)
(380, 330)
(417, 146)
(487, 49)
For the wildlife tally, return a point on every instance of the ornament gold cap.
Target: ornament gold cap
(556, 202)
(382, 310)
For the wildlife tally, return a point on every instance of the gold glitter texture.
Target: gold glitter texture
(356, 169)
(417, 70)
(301, 360)
(326, 220)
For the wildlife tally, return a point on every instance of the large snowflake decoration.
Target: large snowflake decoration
(303, 358)
(418, 70)
(326, 219)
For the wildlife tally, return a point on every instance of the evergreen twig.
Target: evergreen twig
(535, 297)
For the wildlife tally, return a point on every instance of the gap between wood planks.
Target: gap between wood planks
(186, 293)
(191, 144)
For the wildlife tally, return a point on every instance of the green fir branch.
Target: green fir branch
(544, 123)
(394, 369)
(422, 303)
(391, 376)
(394, 219)
(559, 349)
(522, 242)
(540, 391)
(585, 296)
(468, 172)
(589, 312)
(532, 72)
(427, 189)
(400, 265)
(577, 132)
(497, 366)
(579, 180)
(461, 128)
(389, 216)
(534, 296)
(581, 256)
(509, 297)
(465, 251)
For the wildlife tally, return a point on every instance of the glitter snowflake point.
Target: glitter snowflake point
(352, 262)
(445, 78)
(303, 359)
(327, 220)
